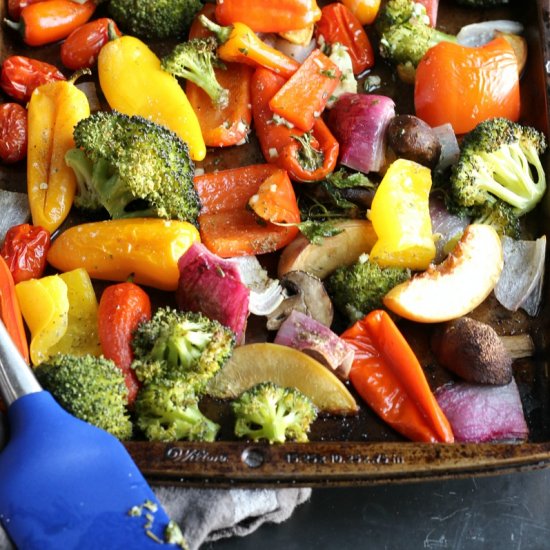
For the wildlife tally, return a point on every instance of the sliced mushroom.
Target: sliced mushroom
(306, 294)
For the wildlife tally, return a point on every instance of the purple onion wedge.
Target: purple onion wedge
(479, 413)
(305, 334)
(213, 286)
(359, 123)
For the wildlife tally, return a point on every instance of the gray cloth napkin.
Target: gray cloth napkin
(211, 514)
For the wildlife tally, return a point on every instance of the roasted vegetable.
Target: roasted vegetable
(133, 168)
(167, 409)
(359, 288)
(194, 60)
(273, 413)
(188, 344)
(472, 350)
(91, 388)
(499, 161)
(157, 19)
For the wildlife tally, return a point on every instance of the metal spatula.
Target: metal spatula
(65, 484)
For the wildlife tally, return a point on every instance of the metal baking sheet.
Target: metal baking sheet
(361, 449)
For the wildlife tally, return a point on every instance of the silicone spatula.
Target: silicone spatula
(65, 484)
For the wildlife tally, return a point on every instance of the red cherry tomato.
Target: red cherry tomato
(13, 132)
(82, 46)
(21, 75)
(25, 249)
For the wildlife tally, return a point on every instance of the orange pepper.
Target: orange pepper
(387, 375)
(464, 85)
(46, 22)
(228, 125)
(365, 10)
(269, 16)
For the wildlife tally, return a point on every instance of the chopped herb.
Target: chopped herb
(330, 73)
(316, 231)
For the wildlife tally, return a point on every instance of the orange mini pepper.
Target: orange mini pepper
(387, 375)
(269, 16)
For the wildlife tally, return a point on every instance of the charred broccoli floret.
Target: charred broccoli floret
(90, 388)
(501, 217)
(359, 288)
(499, 161)
(167, 409)
(272, 413)
(133, 168)
(195, 60)
(406, 34)
(186, 343)
(156, 19)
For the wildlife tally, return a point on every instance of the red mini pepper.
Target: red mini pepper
(10, 313)
(82, 46)
(267, 15)
(25, 249)
(21, 75)
(303, 97)
(13, 132)
(15, 7)
(122, 307)
(306, 156)
(387, 375)
(229, 125)
(230, 227)
(339, 24)
(52, 20)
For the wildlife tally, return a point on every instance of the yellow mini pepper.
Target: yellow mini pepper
(133, 83)
(144, 249)
(61, 313)
(400, 216)
(53, 111)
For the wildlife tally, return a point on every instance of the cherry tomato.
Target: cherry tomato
(82, 46)
(13, 132)
(21, 75)
(25, 249)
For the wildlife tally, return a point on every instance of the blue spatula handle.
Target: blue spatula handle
(65, 484)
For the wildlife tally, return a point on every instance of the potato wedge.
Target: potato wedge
(287, 367)
(457, 285)
(356, 237)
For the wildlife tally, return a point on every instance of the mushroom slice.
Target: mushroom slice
(306, 294)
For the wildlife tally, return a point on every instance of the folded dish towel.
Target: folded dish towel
(211, 514)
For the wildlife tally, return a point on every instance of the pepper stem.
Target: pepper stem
(76, 75)
(111, 33)
(15, 25)
(222, 33)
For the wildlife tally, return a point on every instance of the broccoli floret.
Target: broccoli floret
(359, 288)
(499, 160)
(91, 388)
(183, 342)
(154, 19)
(406, 34)
(195, 60)
(500, 216)
(133, 168)
(167, 409)
(273, 413)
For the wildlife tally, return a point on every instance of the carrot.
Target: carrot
(229, 227)
(389, 378)
(10, 312)
(230, 125)
(303, 97)
(122, 307)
